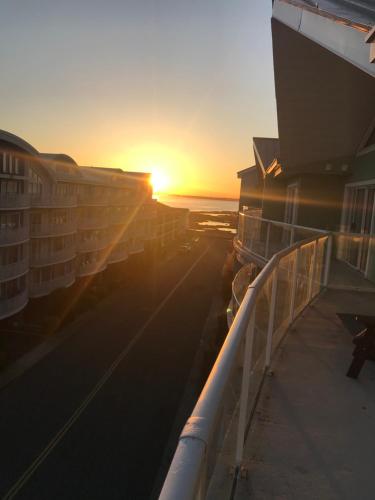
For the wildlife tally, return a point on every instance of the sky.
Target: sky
(176, 87)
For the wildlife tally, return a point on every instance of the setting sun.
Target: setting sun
(160, 181)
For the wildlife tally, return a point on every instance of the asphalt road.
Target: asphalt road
(90, 420)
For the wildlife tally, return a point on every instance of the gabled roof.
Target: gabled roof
(246, 171)
(266, 149)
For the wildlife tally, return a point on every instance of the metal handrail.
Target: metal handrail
(184, 480)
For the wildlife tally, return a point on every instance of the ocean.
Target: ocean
(198, 204)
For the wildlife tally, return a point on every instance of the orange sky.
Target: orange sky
(177, 88)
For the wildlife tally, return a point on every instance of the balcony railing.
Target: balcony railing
(93, 222)
(94, 200)
(46, 287)
(47, 229)
(13, 270)
(49, 258)
(91, 245)
(14, 236)
(13, 305)
(14, 200)
(214, 436)
(53, 201)
(352, 258)
(135, 246)
(118, 254)
(89, 268)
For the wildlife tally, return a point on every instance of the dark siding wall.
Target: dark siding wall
(363, 168)
(274, 199)
(321, 198)
(251, 190)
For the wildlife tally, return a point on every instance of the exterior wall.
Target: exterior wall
(251, 190)
(274, 192)
(363, 168)
(320, 201)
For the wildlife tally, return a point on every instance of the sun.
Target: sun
(159, 181)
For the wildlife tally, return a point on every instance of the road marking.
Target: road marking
(12, 492)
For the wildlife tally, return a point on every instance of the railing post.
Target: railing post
(271, 317)
(327, 263)
(267, 240)
(244, 396)
(294, 285)
(291, 241)
(311, 280)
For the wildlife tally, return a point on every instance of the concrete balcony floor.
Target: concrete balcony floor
(313, 431)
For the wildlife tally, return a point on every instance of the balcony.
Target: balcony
(92, 200)
(350, 254)
(53, 201)
(45, 230)
(94, 244)
(47, 287)
(11, 306)
(135, 246)
(89, 268)
(14, 200)
(118, 254)
(218, 437)
(13, 270)
(48, 258)
(14, 236)
(98, 222)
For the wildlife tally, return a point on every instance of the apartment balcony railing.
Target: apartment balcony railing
(13, 270)
(13, 305)
(119, 253)
(352, 256)
(53, 201)
(14, 236)
(49, 258)
(214, 436)
(91, 245)
(297, 262)
(93, 222)
(14, 200)
(135, 246)
(89, 268)
(47, 229)
(94, 200)
(46, 287)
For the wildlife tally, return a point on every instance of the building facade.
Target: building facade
(60, 222)
(320, 171)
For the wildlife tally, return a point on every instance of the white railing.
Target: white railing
(265, 237)
(46, 229)
(213, 439)
(12, 236)
(93, 222)
(50, 257)
(46, 287)
(11, 271)
(13, 305)
(93, 267)
(96, 200)
(93, 244)
(41, 200)
(14, 200)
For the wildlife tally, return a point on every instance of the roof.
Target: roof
(246, 171)
(18, 142)
(357, 12)
(266, 149)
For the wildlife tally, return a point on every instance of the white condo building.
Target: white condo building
(60, 222)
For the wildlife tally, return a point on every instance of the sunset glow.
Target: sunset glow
(160, 181)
